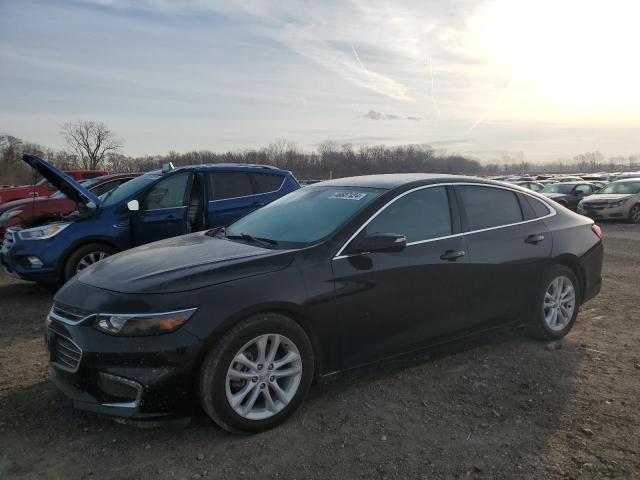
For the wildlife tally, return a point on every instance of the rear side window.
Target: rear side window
(224, 185)
(488, 207)
(420, 215)
(267, 182)
(540, 209)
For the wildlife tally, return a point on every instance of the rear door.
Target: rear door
(231, 195)
(508, 251)
(163, 210)
(389, 303)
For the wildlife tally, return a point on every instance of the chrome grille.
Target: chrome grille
(595, 204)
(67, 314)
(65, 354)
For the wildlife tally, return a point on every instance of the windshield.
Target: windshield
(628, 188)
(127, 189)
(558, 188)
(306, 215)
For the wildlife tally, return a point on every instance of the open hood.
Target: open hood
(63, 182)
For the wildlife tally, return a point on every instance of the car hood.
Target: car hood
(60, 180)
(182, 263)
(607, 197)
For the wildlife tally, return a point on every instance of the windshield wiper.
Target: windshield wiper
(265, 242)
(214, 232)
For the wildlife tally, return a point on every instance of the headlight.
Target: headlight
(619, 203)
(10, 214)
(40, 233)
(136, 324)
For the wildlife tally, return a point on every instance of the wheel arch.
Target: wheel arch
(571, 262)
(290, 310)
(81, 243)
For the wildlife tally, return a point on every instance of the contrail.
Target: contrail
(433, 88)
(355, 54)
(488, 110)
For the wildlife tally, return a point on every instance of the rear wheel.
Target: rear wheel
(634, 214)
(257, 374)
(85, 256)
(557, 304)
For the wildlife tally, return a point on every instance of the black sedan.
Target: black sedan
(334, 276)
(569, 194)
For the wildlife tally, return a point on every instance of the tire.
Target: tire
(216, 383)
(97, 251)
(634, 214)
(544, 325)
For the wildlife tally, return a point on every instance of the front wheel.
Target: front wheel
(557, 304)
(84, 256)
(634, 214)
(257, 374)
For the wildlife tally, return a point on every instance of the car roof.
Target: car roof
(390, 181)
(239, 167)
(628, 180)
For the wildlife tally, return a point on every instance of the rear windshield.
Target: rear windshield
(558, 188)
(629, 188)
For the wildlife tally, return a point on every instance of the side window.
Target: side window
(540, 209)
(167, 193)
(583, 189)
(419, 215)
(267, 182)
(489, 206)
(105, 187)
(223, 185)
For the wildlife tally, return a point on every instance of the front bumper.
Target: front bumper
(603, 212)
(137, 378)
(14, 256)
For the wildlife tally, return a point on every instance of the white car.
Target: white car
(619, 200)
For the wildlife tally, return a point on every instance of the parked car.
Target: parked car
(159, 204)
(623, 176)
(567, 178)
(29, 212)
(619, 200)
(44, 188)
(333, 276)
(530, 185)
(568, 194)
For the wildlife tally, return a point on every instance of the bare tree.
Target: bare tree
(90, 141)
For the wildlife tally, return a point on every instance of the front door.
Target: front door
(389, 303)
(163, 210)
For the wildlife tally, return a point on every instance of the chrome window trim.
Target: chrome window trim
(552, 213)
(163, 208)
(58, 318)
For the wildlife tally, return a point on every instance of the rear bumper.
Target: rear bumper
(591, 267)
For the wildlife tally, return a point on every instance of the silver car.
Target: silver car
(619, 200)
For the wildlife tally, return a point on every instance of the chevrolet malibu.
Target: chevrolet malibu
(333, 276)
(619, 200)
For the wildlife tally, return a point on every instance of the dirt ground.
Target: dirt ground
(506, 407)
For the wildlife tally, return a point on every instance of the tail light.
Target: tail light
(597, 230)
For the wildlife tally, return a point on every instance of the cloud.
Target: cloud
(373, 115)
(414, 119)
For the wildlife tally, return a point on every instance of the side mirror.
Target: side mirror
(379, 242)
(133, 205)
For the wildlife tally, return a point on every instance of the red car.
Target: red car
(29, 212)
(43, 188)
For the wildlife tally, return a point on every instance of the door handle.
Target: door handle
(534, 239)
(453, 255)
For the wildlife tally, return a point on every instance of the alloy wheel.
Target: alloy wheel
(635, 214)
(263, 377)
(559, 303)
(90, 258)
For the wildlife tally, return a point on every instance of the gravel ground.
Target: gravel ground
(501, 407)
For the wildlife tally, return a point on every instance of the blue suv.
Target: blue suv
(160, 204)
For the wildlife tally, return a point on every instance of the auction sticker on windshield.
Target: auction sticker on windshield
(348, 195)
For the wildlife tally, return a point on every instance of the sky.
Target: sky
(531, 79)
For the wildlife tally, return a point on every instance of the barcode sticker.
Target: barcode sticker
(348, 195)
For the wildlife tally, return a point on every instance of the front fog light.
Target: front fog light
(136, 324)
(35, 262)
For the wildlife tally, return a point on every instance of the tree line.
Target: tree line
(92, 145)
